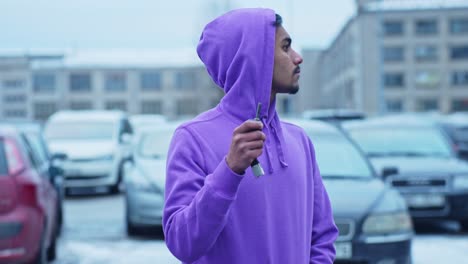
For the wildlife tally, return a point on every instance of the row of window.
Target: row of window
(423, 53)
(427, 104)
(44, 109)
(114, 82)
(425, 27)
(424, 79)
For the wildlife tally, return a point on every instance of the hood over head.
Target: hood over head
(238, 52)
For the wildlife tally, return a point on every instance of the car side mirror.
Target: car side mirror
(388, 171)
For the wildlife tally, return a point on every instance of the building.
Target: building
(396, 55)
(34, 85)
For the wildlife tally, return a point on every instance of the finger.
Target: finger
(253, 145)
(253, 136)
(248, 126)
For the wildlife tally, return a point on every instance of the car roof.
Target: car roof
(8, 130)
(86, 115)
(397, 120)
(24, 125)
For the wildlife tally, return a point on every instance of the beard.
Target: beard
(289, 89)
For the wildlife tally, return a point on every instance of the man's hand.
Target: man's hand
(246, 145)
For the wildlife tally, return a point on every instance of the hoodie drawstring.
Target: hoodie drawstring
(276, 130)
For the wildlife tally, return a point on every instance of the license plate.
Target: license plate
(344, 250)
(425, 200)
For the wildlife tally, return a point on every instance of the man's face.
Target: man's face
(286, 71)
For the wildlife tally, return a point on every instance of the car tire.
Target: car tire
(464, 225)
(41, 256)
(132, 230)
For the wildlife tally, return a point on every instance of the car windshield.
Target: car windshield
(398, 141)
(80, 130)
(155, 144)
(337, 157)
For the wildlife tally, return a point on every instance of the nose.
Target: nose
(297, 58)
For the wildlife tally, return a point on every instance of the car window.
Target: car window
(337, 156)
(126, 127)
(37, 147)
(31, 154)
(13, 157)
(401, 141)
(3, 162)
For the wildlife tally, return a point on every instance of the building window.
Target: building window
(42, 111)
(459, 52)
(393, 54)
(116, 105)
(151, 107)
(44, 83)
(427, 105)
(394, 105)
(426, 27)
(14, 84)
(14, 98)
(185, 80)
(81, 105)
(116, 82)
(425, 53)
(14, 113)
(150, 81)
(460, 78)
(394, 80)
(186, 107)
(459, 26)
(80, 82)
(460, 105)
(427, 79)
(393, 28)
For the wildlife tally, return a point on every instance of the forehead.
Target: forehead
(281, 34)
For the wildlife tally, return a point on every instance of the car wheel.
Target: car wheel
(132, 230)
(464, 225)
(52, 250)
(41, 256)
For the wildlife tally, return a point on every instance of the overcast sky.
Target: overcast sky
(152, 24)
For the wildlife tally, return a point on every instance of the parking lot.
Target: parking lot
(95, 233)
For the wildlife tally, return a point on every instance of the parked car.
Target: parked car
(96, 143)
(33, 133)
(144, 120)
(416, 157)
(29, 203)
(372, 218)
(145, 174)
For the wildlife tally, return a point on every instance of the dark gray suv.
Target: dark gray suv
(415, 156)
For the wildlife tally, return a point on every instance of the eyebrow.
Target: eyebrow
(288, 40)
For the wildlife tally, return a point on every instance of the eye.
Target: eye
(286, 47)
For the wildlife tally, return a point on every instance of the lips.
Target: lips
(297, 70)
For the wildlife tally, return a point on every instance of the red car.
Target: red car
(28, 201)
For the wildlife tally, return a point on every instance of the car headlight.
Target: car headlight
(387, 223)
(460, 182)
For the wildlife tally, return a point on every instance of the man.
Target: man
(216, 210)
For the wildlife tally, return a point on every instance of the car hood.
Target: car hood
(352, 198)
(154, 170)
(78, 149)
(414, 165)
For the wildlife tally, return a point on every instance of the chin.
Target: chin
(294, 90)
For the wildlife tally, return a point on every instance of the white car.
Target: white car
(145, 176)
(96, 144)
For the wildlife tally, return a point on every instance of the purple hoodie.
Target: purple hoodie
(213, 215)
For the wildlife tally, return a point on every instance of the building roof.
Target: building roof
(408, 5)
(108, 58)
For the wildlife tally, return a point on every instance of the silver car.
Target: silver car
(144, 177)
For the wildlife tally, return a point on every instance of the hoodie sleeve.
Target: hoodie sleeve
(197, 202)
(324, 231)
